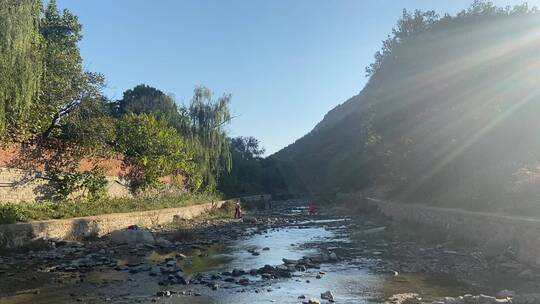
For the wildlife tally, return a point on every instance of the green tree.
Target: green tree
(148, 100)
(90, 126)
(247, 147)
(202, 124)
(246, 174)
(20, 61)
(408, 25)
(65, 82)
(152, 150)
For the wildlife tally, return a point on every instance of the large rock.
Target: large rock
(503, 294)
(132, 237)
(327, 295)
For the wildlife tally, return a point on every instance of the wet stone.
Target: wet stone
(213, 286)
(164, 293)
(238, 272)
(327, 295)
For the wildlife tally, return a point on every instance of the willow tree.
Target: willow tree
(205, 123)
(20, 61)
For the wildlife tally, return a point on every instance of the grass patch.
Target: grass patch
(24, 212)
(225, 212)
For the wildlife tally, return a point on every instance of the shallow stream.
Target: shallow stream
(350, 280)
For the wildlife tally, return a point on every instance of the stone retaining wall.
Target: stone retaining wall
(18, 235)
(18, 185)
(493, 232)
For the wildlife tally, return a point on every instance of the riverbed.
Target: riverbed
(127, 275)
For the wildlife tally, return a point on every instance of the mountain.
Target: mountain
(448, 117)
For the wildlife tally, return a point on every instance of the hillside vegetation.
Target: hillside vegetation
(449, 117)
(54, 111)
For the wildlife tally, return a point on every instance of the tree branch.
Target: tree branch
(225, 122)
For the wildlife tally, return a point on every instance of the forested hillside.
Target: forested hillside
(448, 117)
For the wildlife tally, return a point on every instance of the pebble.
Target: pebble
(164, 293)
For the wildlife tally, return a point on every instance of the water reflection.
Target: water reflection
(282, 243)
(349, 282)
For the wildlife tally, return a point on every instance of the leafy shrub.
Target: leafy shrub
(89, 184)
(11, 214)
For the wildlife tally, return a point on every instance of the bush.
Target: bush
(153, 151)
(10, 214)
(91, 185)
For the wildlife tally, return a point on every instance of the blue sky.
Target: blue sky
(285, 62)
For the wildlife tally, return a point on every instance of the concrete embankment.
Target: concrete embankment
(20, 234)
(494, 233)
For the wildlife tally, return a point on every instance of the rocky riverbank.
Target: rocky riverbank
(283, 256)
(157, 253)
(402, 248)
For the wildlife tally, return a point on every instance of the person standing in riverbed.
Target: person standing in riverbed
(312, 209)
(237, 211)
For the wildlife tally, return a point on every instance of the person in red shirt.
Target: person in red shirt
(312, 209)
